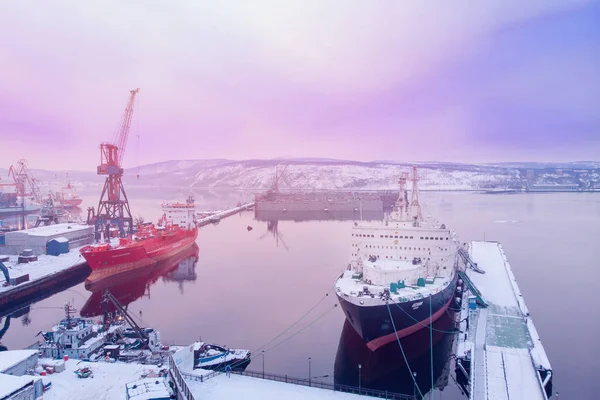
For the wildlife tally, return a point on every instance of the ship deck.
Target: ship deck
(507, 359)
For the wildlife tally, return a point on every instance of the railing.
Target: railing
(180, 383)
(382, 394)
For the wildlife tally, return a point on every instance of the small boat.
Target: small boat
(214, 357)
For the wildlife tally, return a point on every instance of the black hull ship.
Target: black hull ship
(403, 272)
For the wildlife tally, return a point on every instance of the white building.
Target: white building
(37, 239)
(15, 384)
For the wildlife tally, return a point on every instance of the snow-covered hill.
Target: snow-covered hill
(304, 174)
(322, 174)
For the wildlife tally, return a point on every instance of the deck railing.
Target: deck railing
(382, 394)
(180, 383)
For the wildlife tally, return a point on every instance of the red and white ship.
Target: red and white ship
(175, 232)
(68, 197)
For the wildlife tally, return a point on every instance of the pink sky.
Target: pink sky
(496, 81)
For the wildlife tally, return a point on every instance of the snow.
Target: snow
(61, 239)
(494, 284)
(11, 383)
(148, 388)
(511, 375)
(242, 387)
(108, 382)
(11, 358)
(507, 346)
(51, 230)
(44, 266)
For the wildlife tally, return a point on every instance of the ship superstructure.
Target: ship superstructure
(402, 273)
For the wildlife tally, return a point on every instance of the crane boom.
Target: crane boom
(122, 134)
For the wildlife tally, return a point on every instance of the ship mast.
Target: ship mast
(415, 207)
(402, 202)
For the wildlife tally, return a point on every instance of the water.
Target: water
(251, 285)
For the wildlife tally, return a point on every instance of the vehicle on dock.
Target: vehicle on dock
(402, 275)
(84, 372)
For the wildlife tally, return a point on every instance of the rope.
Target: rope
(295, 323)
(431, 340)
(422, 324)
(402, 350)
(280, 343)
(303, 329)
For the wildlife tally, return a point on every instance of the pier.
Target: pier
(499, 353)
(216, 217)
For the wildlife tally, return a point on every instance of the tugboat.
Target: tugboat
(402, 275)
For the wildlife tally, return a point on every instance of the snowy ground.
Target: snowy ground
(46, 265)
(243, 387)
(504, 366)
(108, 382)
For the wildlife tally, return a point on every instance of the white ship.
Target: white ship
(402, 275)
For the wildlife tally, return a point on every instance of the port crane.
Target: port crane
(23, 178)
(278, 175)
(113, 206)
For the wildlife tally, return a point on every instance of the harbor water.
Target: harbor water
(249, 286)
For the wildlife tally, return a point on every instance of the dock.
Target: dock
(44, 275)
(216, 217)
(499, 353)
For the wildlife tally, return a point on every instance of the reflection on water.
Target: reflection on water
(132, 285)
(22, 313)
(299, 216)
(386, 369)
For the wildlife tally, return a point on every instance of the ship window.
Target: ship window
(411, 237)
(421, 237)
(353, 234)
(380, 236)
(396, 237)
(446, 238)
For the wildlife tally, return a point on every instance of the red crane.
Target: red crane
(23, 178)
(113, 207)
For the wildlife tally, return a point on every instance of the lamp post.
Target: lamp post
(415, 386)
(263, 363)
(359, 378)
(309, 382)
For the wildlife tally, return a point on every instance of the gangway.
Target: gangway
(473, 289)
(464, 254)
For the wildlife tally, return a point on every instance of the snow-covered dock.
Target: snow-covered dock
(244, 387)
(110, 381)
(45, 273)
(499, 353)
(216, 217)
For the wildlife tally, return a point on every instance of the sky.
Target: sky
(461, 81)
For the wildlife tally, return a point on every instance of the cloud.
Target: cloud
(244, 79)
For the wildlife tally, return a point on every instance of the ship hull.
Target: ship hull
(375, 327)
(72, 203)
(138, 255)
(5, 211)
